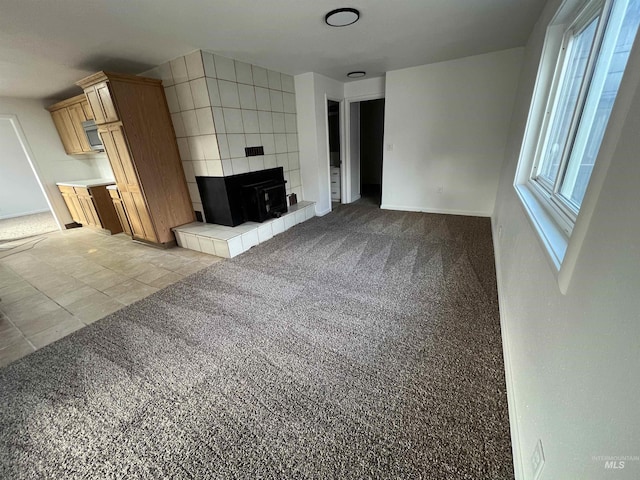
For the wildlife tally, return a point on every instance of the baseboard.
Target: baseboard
(24, 214)
(355, 198)
(323, 213)
(518, 463)
(467, 213)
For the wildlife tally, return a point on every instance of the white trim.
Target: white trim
(323, 213)
(518, 461)
(444, 211)
(356, 198)
(15, 123)
(24, 214)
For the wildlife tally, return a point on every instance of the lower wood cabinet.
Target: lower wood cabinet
(91, 207)
(120, 210)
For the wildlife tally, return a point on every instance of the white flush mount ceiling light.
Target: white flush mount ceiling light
(356, 74)
(341, 17)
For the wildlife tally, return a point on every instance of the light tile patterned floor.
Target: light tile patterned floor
(66, 280)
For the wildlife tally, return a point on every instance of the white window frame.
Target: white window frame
(560, 228)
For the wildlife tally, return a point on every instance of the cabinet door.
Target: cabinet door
(115, 144)
(77, 117)
(108, 108)
(96, 107)
(89, 209)
(64, 125)
(86, 108)
(71, 200)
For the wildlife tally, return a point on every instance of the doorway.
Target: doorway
(335, 160)
(24, 209)
(366, 151)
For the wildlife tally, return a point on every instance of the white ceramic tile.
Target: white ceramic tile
(253, 139)
(185, 99)
(178, 125)
(275, 81)
(183, 148)
(237, 144)
(218, 120)
(210, 147)
(310, 212)
(223, 146)
(180, 240)
(190, 123)
(172, 99)
(240, 165)
(270, 161)
(289, 220)
(225, 68)
(277, 225)
(200, 168)
(195, 148)
(300, 216)
(214, 92)
(195, 69)
(200, 93)
(214, 167)
(268, 142)
(292, 142)
(206, 245)
(294, 160)
(235, 246)
(265, 121)
(260, 78)
(189, 174)
(179, 70)
(228, 94)
(197, 206)
(165, 74)
(247, 97)
(243, 73)
(277, 104)
(263, 99)
(249, 239)
(194, 193)
(233, 120)
(221, 248)
(192, 242)
(282, 160)
(227, 167)
(209, 66)
(265, 232)
(278, 123)
(205, 120)
(256, 163)
(294, 177)
(288, 84)
(250, 121)
(289, 101)
(281, 142)
(287, 179)
(290, 125)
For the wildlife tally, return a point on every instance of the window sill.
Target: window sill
(551, 235)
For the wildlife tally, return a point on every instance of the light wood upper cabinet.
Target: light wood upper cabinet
(68, 117)
(138, 137)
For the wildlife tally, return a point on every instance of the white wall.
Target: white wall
(51, 162)
(20, 193)
(448, 125)
(573, 359)
(369, 88)
(312, 92)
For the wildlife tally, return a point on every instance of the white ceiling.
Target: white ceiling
(46, 46)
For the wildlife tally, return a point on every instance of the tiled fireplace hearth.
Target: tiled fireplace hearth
(229, 242)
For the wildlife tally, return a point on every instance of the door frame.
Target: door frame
(26, 149)
(341, 114)
(346, 173)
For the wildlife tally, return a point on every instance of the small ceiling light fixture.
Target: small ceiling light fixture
(356, 74)
(341, 17)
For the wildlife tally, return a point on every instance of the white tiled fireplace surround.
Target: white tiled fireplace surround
(229, 242)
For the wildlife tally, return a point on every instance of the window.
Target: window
(585, 55)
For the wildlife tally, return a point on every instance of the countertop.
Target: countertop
(92, 182)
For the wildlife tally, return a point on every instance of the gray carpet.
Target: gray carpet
(364, 344)
(27, 226)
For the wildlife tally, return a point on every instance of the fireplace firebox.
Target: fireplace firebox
(255, 196)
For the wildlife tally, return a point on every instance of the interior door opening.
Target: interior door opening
(335, 160)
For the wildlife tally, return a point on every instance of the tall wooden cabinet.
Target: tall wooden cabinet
(136, 130)
(68, 116)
